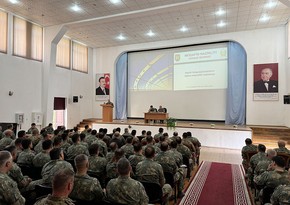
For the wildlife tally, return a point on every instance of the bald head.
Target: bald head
(81, 161)
(281, 144)
(271, 153)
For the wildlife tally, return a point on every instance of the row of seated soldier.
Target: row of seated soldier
(266, 172)
(108, 168)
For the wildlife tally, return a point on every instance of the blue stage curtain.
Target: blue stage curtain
(121, 87)
(237, 85)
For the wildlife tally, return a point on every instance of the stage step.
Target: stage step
(269, 136)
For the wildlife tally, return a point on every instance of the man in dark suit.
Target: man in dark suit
(102, 90)
(265, 85)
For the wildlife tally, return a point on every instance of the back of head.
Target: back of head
(94, 132)
(87, 126)
(113, 146)
(162, 138)
(46, 144)
(25, 143)
(50, 124)
(175, 134)
(149, 138)
(271, 153)
(261, 148)
(81, 161)
(160, 130)
(118, 129)
(178, 140)
(18, 141)
(82, 136)
(149, 152)
(248, 141)
(35, 132)
(281, 144)
(75, 138)
(21, 133)
(57, 141)
(55, 153)
(184, 135)
(164, 146)
(148, 133)
(61, 179)
(119, 153)
(189, 134)
(11, 149)
(143, 132)
(64, 136)
(133, 132)
(137, 146)
(279, 161)
(129, 140)
(173, 144)
(94, 149)
(123, 166)
(4, 157)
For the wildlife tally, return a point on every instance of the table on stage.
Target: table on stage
(155, 116)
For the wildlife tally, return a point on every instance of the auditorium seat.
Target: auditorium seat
(154, 192)
(169, 178)
(100, 176)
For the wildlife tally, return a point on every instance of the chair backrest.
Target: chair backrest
(100, 176)
(267, 193)
(83, 202)
(27, 170)
(165, 109)
(169, 177)
(250, 154)
(107, 202)
(42, 190)
(154, 192)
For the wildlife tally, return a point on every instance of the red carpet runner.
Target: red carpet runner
(218, 184)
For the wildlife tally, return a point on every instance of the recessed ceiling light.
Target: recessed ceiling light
(14, 1)
(115, 1)
(264, 18)
(220, 12)
(76, 8)
(150, 33)
(183, 29)
(221, 24)
(271, 4)
(121, 37)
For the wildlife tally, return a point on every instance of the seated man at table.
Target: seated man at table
(152, 109)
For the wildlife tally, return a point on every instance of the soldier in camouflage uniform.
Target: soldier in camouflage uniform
(49, 129)
(282, 147)
(62, 185)
(128, 147)
(177, 155)
(27, 155)
(150, 142)
(65, 143)
(281, 195)
(57, 163)
(33, 127)
(273, 179)
(152, 172)
(263, 165)
(102, 145)
(137, 156)
(92, 137)
(38, 147)
(124, 189)
(97, 164)
(7, 139)
(159, 134)
(85, 187)
(111, 168)
(169, 164)
(43, 157)
(9, 193)
(76, 148)
(35, 137)
(248, 148)
(86, 130)
(113, 147)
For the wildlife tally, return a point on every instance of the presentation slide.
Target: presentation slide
(191, 82)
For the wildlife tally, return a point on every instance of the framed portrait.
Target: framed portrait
(102, 91)
(266, 82)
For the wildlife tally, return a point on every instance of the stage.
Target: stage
(210, 134)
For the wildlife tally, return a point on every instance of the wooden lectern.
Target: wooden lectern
(107, 112)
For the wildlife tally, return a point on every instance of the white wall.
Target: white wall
(262, 46)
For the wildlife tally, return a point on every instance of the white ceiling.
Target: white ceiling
(100, 21)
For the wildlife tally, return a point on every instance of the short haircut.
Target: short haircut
(57, 141)
(165, 134)
(123, 166)
(280, 161)
(46, 144)
(162, 138)
(4, 157)
(50, 124)
(93, 149)
(82, 136)
(25, 143)
(75, 137)
(133, 132)
(81, 160)
(129, 139)
(175, 134)
(178, 140)
(261, 148)
(118, 129)
(101, 78)
(86, 126)
(56, 132)
(18, 141)
(149, 138)
(137, 146)
(148, 133)
(119, 153)
(271, 153)
(281, 143)
(160, 130)
(33, 124)
(149, 151)
(113, 146)
(94, 132)
(61, 179)
(164, 146)
(143, 132)
(10, 149)
(101, 135)
(21, 133)
(188, 134)
(35, 132)
(173, 144)
(75, 129)
(55, 153)
(248, 141)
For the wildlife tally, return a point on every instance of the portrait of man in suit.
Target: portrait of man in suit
(102, 90)
(265, 84)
